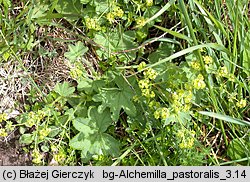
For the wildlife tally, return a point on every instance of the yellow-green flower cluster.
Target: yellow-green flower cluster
(3, 132)
(3, 117)
(231, 77)
(154, 104)
(150, 73)
(75, 73)
(241, 103)
(92, 24)
(223, 72)
(110, 17)
(182, 95)
(43, 133)
(195, 65)
(116, 13)
(76, 70)
(60, 156)
(208, 60)
(146, 83)
(161, 113)
(34, 118)
(98, 157)
(199, 82)
(141, 66)
(37, 157)
(187, 138)
(182, 100)
(149, 3)
(9, 126)
(140, 21)
(148, 93)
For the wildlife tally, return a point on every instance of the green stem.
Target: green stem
(156, 143)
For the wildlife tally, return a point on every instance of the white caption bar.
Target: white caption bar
(126, 174)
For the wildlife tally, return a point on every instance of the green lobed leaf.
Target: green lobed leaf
(64, 89)
(26, 139)
(237, 149)
(76, 51)
(96, 121)
(66, 7)
(96, 143)
(117, 41)
(117, 98)
(92, 138)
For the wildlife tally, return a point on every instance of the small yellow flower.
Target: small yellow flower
(188, 86)
(136, 98)
(157, 114)
(150, 73)
(3, 117)
(164, 113)
(32, 119)
(152, 94)
(231, 77)
(110, 17)
(147, 93)
(153, 104)
(37, 157)
(177, 106)
(208, 59)
(188, 97)
(75, 73)
(187, 107)
(141, 66)
(144, 84)
(175, 96)
(223, 72)
(3, 132)
(180, 134)
(140, 21)
(199, 82)
(242, 103)
(60, 157)
(202, 50)
(187, 139)
(195, 65)
(53, 148)
(44, 132)
(9, 126)
(92, 23)
(149, 3)
(180, 93)
(118, 12)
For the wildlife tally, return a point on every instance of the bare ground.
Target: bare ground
(11, 153)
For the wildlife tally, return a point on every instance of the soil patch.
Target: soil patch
(11, 153)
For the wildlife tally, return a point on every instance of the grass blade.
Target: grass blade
(225, 118)
(159, 13)
(189, 50)
(175, 34)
